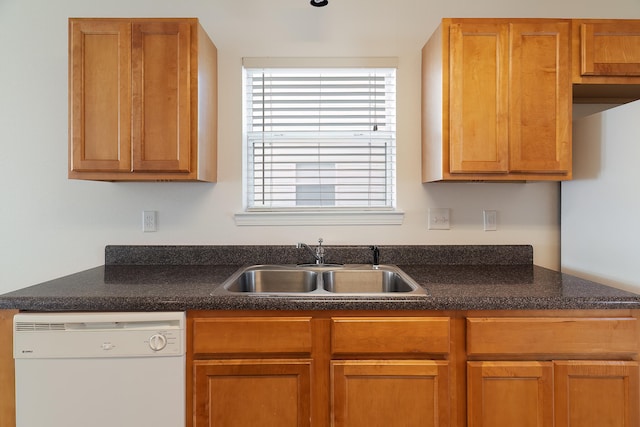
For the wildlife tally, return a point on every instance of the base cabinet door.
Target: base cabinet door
(553, 394)
(390, 393)
(252, 393)
(506, 394)
(596, 394)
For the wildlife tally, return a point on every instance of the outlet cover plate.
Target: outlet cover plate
(439, 219)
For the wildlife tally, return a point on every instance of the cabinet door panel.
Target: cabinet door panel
(610, 49)
(540, 98)
(596, 394)
(479, 98)
(378, 393)
(249, 393)
(160, 85)
(507, 394)
(100, 108)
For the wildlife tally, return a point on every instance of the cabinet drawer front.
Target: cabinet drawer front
(375, 335)
(610, 49)
(614, 337)
(252, 335)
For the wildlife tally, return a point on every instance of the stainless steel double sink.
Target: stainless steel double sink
(321, 280)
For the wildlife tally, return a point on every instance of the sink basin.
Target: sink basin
(367, 281)
(321, 280)
(274, 280)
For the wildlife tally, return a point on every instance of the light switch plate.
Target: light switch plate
(490, 220)
(439, 219)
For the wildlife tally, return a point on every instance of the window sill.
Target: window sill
(320, 218)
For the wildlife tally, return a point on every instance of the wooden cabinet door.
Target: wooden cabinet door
(478, 98)
(390, 393)
(596, 394)
(540, 98)
(161, 99)
(610, 48)
(507, 394)
(100, 93)
(250, 393)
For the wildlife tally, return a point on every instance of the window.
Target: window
(319, 139)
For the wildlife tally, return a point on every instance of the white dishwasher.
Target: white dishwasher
(100, 369)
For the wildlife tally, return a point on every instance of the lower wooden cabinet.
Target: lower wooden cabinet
(548, 394)
(409, 368)
(510, 394)
(388, 393)
(548, 386)
(596, 393)
(318, 369)
(266, 393)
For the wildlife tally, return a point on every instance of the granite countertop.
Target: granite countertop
(177, 278)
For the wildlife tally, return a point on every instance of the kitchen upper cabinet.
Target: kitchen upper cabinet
(606, 49)
(496, 101)
(605, 60)
(142, 100)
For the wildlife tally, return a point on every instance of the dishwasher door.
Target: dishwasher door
(100, 369)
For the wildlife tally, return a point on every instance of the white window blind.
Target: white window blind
(320, 138)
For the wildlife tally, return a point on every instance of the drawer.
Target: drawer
(573, 337)
(255, 335)
(383, 335)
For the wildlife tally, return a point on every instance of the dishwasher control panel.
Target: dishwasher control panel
(98, 335)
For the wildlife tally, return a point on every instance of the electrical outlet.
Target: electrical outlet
(149, 220)
(490, 220)
(439, 219)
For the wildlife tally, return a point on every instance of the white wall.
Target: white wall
(50, 226)
(601, 207)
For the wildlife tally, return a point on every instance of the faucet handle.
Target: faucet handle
(376, 255)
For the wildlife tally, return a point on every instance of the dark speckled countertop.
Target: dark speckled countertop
(155, 278)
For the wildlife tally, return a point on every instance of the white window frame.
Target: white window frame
(312, 216)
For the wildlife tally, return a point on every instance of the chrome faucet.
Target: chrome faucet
(318, 254)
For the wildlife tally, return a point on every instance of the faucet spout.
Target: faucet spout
(318, 253)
